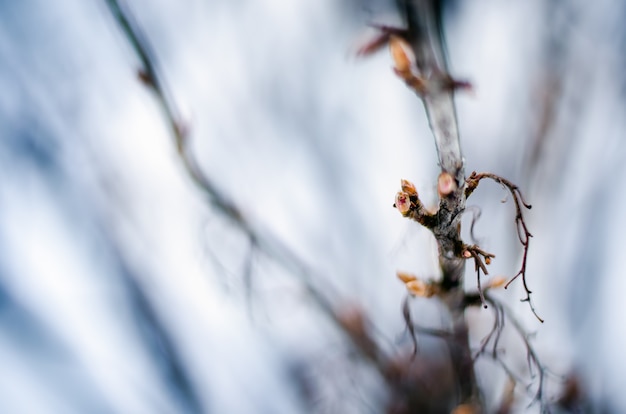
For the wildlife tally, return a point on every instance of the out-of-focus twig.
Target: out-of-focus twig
(489, 346)
(150, 76)
(352, 322)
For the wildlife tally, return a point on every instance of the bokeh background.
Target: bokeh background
(123, 291)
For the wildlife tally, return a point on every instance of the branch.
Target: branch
(481, 260)
(426, 41)
(150, 76)
(418, 55)
(419, 60)
(489, 346)
(520, 224)
(429, 78)
(350, 321)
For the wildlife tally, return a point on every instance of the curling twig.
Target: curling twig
(520, 225)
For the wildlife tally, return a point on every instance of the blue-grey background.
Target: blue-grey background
(123, 291)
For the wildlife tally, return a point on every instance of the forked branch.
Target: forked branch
(489, 346)
(520, 224)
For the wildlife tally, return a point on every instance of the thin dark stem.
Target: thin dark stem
(410, 326)
(502, 315)
(520, 225)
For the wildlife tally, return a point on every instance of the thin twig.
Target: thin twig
(520, 225)
(478, 254)
(501, 315)
(265, 241)
(406, 313)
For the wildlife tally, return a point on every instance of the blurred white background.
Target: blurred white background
(123, 291)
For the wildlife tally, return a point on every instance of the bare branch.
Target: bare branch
(435, 87)
(520, 225)
(353, 323)
(501, 315)
(426, 40)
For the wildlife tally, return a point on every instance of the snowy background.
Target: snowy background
(123, 291)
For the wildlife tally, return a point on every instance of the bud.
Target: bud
(405, 277)
(445, 184)
(401, 54)
(403, 204)
(408, 187)
(418, 288)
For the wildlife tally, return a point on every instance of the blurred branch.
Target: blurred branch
(351, 320)
(149, 75)
(422, 42)
(489, 346)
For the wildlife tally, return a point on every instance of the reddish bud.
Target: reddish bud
(403, 204)
(446, 184)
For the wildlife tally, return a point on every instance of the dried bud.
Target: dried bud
(417, 287)
(405, 277)
(488, 260)
(408, 187)
(403, 204)
(401, 54)
(445, 184)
